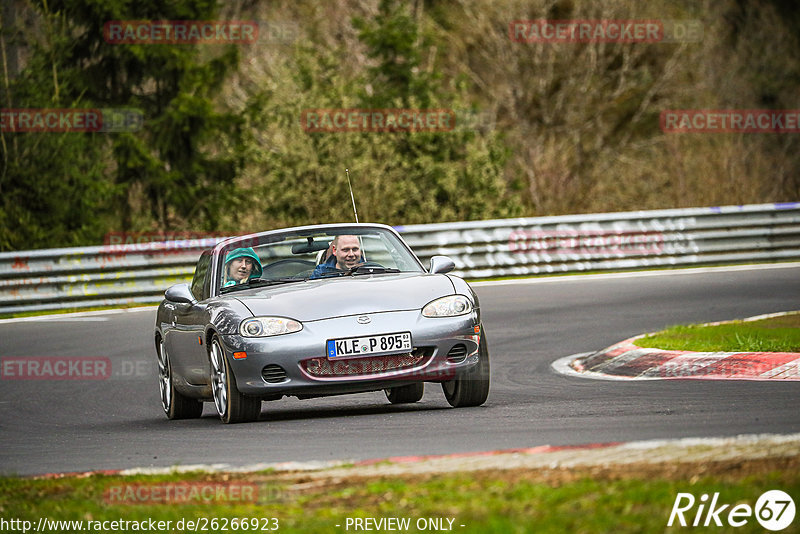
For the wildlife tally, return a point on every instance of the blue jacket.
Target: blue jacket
(326, 268)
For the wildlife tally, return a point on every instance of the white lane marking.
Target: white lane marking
(79, 316)
(562, 366)
(741, 439)
(625, 358)
(311, 465)
(549, 278)
(688, 365)
(657, 450)
(539, 279)
(787, 370)
(59, 319)
(769, 316)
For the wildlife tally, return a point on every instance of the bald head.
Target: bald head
(347, 250)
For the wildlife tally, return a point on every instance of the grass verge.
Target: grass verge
(777, 334)
(634, 271)
(61, 311)
(606, 498)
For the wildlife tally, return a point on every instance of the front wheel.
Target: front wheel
(232, 406)
(405, 394)
(470, 388)
(175, 405)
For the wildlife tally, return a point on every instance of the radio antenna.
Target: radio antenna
(352, 198)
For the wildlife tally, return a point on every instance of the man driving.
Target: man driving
(345, 254)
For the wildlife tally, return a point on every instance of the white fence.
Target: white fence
(38, 280)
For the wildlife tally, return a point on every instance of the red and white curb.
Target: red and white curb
(627, 361)
(539, 457)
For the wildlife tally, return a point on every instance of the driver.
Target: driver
(241, 265)
(345, 254)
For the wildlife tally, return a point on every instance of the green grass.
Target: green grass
(60, 311)
(625, 271)
(489, 502)
(778, 334)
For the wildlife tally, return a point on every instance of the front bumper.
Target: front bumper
(297, 364)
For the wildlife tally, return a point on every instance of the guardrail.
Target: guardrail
(38, 280)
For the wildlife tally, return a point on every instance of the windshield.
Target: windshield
(299, 256)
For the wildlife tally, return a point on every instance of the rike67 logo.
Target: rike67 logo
(774, 510)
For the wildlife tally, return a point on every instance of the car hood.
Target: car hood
(335, 297)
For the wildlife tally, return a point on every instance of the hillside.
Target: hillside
(542, 127)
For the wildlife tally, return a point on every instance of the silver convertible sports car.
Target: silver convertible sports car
(316, 311)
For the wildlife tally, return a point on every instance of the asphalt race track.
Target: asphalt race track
(78, 425)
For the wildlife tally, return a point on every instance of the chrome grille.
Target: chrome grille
(370, 365)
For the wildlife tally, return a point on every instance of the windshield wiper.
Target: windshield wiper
(370, 269)
(330, 274)
(361, 268)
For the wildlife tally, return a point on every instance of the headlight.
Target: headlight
(268, 326)
(448, 306)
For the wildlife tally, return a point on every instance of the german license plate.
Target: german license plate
(364, 346)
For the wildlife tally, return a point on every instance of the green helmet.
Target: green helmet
(243, 253)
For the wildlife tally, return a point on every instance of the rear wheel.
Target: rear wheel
(405, 394)
(175, 405)
(232, 406)
(471, 388)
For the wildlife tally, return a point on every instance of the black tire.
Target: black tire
(471, 388)
(175, 405)
(232, 406)
(405, 394)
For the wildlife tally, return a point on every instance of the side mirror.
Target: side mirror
(180, 293)
(441, 265)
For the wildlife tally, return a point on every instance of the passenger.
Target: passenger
(345, 254)
(241, 265)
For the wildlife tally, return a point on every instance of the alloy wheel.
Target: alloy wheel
(164, 377)
(219, 379)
